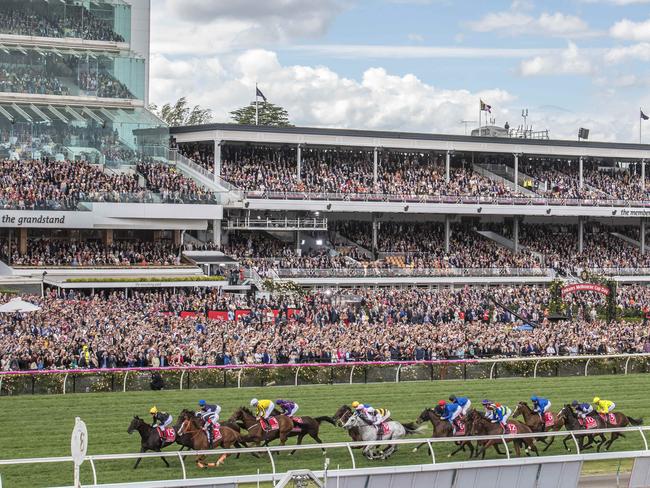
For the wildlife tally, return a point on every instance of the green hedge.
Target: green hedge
(154, 279)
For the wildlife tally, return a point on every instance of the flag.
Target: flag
(258, 93)
(644, 116)
(485, 107)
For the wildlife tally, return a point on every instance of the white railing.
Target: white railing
(277, 224)
(431, 442)
(361, 272)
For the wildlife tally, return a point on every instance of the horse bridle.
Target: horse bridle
(346, 415)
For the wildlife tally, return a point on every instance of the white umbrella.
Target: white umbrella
(18, 305)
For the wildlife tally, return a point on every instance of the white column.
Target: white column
(516, 171)
(216, 232)
(447, 166)
(642, 236)
(375, 165)
(447, 232)
(298, 161)
(581, 234)
(217, 159)
(515, 233)
(643, 174)
(581, 175)
(298, 251)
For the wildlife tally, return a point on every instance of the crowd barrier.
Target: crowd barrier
(295, 374)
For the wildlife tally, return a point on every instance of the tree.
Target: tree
(269, 114)
(180, 113)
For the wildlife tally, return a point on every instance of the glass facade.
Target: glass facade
(79, 19)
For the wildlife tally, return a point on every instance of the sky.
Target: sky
(412, 65)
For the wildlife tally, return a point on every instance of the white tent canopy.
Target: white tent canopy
(18, 305)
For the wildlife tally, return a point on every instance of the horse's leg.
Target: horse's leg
(314, 435)
(517, 444)
(137, 462)
(415, 449)
(548, 443)
(612, 438)
(163, 458)
(298, 442)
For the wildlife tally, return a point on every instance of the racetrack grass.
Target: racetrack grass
(40, 426)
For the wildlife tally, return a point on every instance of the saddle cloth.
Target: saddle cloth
(548, 419)
(511, 429)
(167, 435)
(216, 432)
(610, 418)
(588, 423)
(460, 427)
(270, 424)
(296, 420)
(384, 428)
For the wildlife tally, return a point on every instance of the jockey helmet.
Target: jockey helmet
(202, 403)
(596, 399)
(486, 402)
(452, 398)
(254, 402)
(153, 410)
(355, 404)
(575, 403)
(534, 398)
(442, 403)
(360, 407)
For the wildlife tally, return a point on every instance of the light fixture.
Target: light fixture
(319, 242)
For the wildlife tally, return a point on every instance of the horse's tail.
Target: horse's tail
(412, 428)
(634, 421)
(325, 418)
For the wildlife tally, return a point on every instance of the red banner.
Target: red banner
(585, 287)
(218, 314)
(188, 314)
(241, 313)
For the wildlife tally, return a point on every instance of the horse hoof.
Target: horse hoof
(449, 455)
(415, 449)
(324, 453)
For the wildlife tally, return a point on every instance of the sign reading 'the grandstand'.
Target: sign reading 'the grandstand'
(44, 219)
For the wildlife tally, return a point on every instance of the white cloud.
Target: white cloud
(570, 61)
(415, 37)
(618, 2)
(640, 51)
(513, 22)
(630, 30)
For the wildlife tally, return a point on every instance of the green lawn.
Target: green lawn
(40, 426)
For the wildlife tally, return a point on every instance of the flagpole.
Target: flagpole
(479, 117)
(640, 124)
(256, 107)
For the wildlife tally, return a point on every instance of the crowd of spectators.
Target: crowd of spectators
(147, 329)
(48, 252)
(30, 80)
(172, 185)
(21, 18)
(102, 85)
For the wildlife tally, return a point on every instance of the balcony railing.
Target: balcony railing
(410, 272)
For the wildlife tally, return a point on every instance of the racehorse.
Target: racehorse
(535, 422)
(149, 438)
(256, 433)
(341, 416)
(304, 425)
(191, 425)
(614, 420)
(395, 430)
(477, 424)
(572, 422)
(442, 428)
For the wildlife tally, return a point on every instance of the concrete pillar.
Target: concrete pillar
(298, 250)
(447, 232)
(217, 159)
(516, 171)
(375, 231)
(643, 174)
(177, 237)
(642, 236)
(299, 162)
(581, 234)
(157, 235)
(375, 164)
(581, 175)
(216, 232)
(447, 166)
(515, 233)
(108, 237)
(22, 241)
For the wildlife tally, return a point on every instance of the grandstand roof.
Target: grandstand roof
(410, 136)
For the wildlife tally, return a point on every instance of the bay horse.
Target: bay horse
(149, 438)
(479, 425)
(442, 428)
(191, 425)
(256, 432)
(572, 422)
(620, 420)
(306, 426)
(534, 421)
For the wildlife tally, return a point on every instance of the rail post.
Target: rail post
(399, 367)
(492, 370)
(268, 451)
(182, 376)
(180, 458)
(505, 444)
(295, 377)
(575, 441)
(241, 370)
(645, 440)
(65, 380)
(627, 361)
(587, 366)
(351, 373)
(92, 466)
(354, 462)
(535, 368)
(433, 454)
(126, 375)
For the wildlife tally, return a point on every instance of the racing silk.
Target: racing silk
(450, 410)
(209, 412)
(501, 412)
(287, 406)
(462, 401)
(262, 407)
(162, 419)
(584, 409)
(541, 405)
(604, 406)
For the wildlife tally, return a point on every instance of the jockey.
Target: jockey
(161, 420)
(450, 412)
(378, 415)
(540, 405)
(464, 403)
(263, 408)
(210, 415)
(287, 407)
(582, 409)
(603, 406)
(497, 412)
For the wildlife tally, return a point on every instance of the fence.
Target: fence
(362, 272)
(433, 444)
(256, 375)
